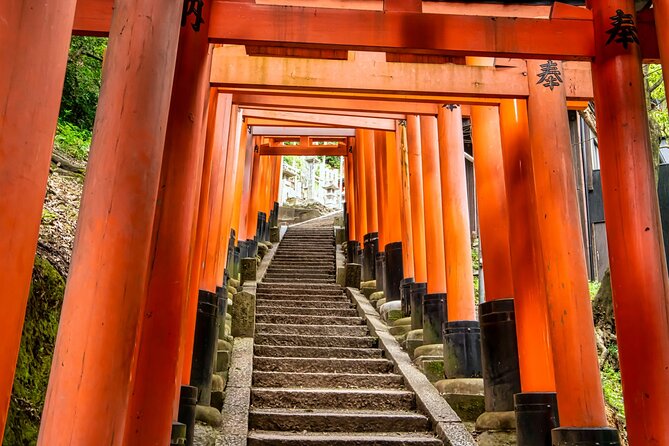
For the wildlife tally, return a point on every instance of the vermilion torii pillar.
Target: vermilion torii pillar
(435, 297)
(636, 251)
(34, 41)
(382, 204)
(245, 150)
(580, 398)
(360, 189)
(405, 216)
(535, 356)
(199, 237)
(370, 241)
(394, 262)
(106, 289)
(155, 388)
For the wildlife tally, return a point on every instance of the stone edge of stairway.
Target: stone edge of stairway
(447, 425)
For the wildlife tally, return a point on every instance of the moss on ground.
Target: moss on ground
(34, 362)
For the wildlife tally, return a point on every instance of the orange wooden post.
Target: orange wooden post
(534, 351)
(462, 343)
(394, 258)
(580, 398)
(381, 207)
(435, 297)
(434, 223)
(209, 279)
(419, 287)
(360, 192)
(107, 284)
(370, 236)
(455, 211)
(229, 194)
(199, 237)
(352, 203)
(155, 388)
(415, 166)
(493, 212)
(497, 315)
(402, 155)
(254, 196)
(34, 41)
(636, 251)
(405, 200)
(245, 154)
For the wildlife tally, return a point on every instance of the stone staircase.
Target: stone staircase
(318, 377)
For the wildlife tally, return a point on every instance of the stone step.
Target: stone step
(361, 399)
(324, 365)
(304, 296)
(304, 303)
(302, 276)
(295, 279)
(341, 439)
(314, 330)
(306, 268)
(332, 380)
(297, 420)
(298, 319)
(292, 288)
(315, 340)
(298, 310)
(289, 351)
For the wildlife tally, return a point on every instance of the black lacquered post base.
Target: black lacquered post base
(370, 248)
(381, 271)
(417, 290)
(581, 436)
(351, 249)
(499, 354)
(394, 271)
(462, 349)
(204, 345)
(536, 417)
(187, 403)
(405, 295)
(433, 317)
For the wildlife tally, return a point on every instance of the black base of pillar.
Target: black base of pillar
(381, 272)
(204, 345)
(462, 349)
(235, 267)
(583, 436)
(536, 417)
(370, 249)
(394, 271)
(417, 290)
(499, 354)
(405, 295)
(178, 436)
(187, 403)
(351, 249)
(434, 306)
(222, 294)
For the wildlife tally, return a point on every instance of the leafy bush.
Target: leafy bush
(72, 140)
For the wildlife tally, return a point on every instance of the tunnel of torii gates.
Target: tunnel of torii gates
(185, 153)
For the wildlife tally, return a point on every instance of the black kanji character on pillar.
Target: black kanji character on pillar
(549, 75)
(623, 29)
(194, 7)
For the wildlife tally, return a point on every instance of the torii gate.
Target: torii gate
(131, 156)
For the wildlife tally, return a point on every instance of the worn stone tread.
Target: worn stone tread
(323, 330)
(340, 439)
(302, 319)
(327, 398)
(333, 380)
(303, 303)
(300, 310)
(327, 365)
(315, 340)
(288, 351)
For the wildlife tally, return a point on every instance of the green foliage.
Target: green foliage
(612, 384)
(294, 161)
(34, 362)
(82, 81)
(658, 99)
(333, 161)
(72, 140)
(594, 287)
(48, 216)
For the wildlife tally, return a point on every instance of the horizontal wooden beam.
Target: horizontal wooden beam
(250, 121)
(356, 105)
(302, 131)
(233, 69)
(299, 150)
(450, 34)
(318, 119)
(320, 111)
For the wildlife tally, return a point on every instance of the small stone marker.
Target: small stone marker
(249, 269)
(244, 315)
(353, 275)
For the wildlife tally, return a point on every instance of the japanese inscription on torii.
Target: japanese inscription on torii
(195, 8)
(550, 76)
(623, 30)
